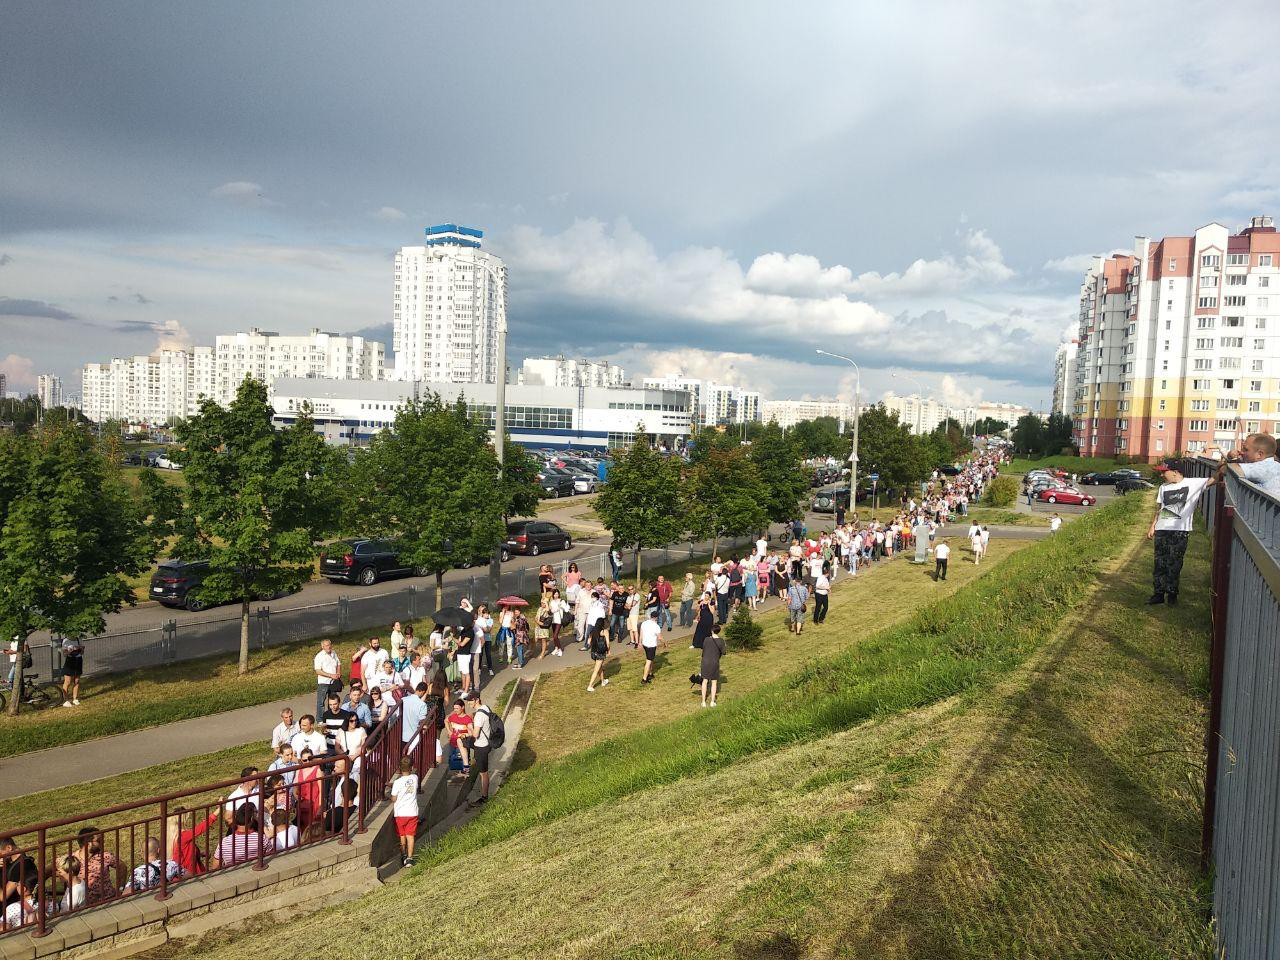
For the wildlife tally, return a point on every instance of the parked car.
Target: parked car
(534, 537)
(555, 483)
(1108, 478)
(1130, 484)
(1065, 495)
(164, 463)
(582, 483)
(362, 561)
(176, 583)
(826, 501)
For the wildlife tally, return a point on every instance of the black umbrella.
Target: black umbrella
(454, 617)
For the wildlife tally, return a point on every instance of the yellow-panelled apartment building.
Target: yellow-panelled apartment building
(1179, 344)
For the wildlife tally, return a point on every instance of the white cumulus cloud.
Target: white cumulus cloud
(19, 371)
(801, 274)
(617, 266)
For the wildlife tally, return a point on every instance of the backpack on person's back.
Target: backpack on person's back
(497, 729)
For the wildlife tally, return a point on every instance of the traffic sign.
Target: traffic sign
(873, 477)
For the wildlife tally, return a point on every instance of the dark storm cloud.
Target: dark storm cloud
(13, 307)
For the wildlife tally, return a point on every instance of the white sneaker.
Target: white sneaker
(67, 703)
(591, 689)
(713, 703)
(604, 683)
(76, 702)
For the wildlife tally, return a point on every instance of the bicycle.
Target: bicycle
(34, 694)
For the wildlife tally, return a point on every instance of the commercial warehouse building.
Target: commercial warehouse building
(354, 411)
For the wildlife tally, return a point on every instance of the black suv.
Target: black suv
(176, 583)
(362, 561)
(534, 537)
(556, 482)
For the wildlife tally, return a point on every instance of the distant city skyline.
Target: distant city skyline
(175, 174)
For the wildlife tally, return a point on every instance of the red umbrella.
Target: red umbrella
(513, 601)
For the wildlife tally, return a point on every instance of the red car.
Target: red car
(1059, 495)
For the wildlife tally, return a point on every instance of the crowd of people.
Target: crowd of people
(294, 800)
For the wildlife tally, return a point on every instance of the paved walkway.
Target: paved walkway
(109, 756)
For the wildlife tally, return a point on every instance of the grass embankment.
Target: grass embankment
(1080, 465)
(1005, 822)
(566, 719)
(1000, 517)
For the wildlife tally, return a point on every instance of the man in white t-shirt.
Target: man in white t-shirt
(1171, 528)
(326, 667)
(372, 658)
(404, 797)
(650, 637)
(940, 554)
(1055, 524)
(284, 731)
(722, 596)
(762, 547)
(308, 737)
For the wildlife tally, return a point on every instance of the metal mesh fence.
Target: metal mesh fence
(177, 635)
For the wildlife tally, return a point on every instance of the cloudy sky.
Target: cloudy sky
(713, 188)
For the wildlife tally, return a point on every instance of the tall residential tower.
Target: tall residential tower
(448, 302)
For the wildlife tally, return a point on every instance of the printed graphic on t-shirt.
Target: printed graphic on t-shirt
(1172, 502)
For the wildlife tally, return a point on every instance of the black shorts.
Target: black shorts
(650, 653)
(480, 759)
(73, 667)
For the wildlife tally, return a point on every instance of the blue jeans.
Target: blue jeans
(520, 652)
(617, 627)
(664, 616)
(686, 613)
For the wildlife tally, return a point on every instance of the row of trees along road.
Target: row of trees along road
(1036, 436)
(257, 504)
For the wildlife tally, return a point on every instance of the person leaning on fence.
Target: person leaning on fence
(1171, 528)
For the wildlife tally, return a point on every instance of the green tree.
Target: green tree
(886, 447)
(820, 438)
(742, 632)
(1057, 435)
(786, 482)
(71, 533)
(953, 433)
(1028, 434)
(428, 484)
(259, 500)
(989, 425)
(641, 502)
(724, 496)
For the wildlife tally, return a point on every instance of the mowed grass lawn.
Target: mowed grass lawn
(565, 718)
(1011, 773)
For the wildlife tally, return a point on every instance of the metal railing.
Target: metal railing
(1241, 830)
(66, 866)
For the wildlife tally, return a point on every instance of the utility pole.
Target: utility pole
(499, 434)
(857, 414)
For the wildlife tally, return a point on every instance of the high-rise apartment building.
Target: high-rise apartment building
(266, 356)
(4, 386)
(151, 388)
(49, 390)
(712, 404)
(920, 414)
(1179, 344)
(1064, 377)
(449, 300)
(567, 372)
(787, 413)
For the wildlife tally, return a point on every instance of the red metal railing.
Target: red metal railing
(163, 841)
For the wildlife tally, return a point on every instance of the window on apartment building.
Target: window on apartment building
(1264, 260)
(1168, 305)
(1237, 259)
(1204, 343)
(1237, 279)
(1159, 444)
(1210, 260)
(1198, 425)
(1166, 345)
(1229, 363)
(1199, 406)
(1251, 426)
(1255, 366)
(1161, 407)
(1164, 384)
(1229, 384)
(1173, 265)
(1255, 406)
(1203, 364)
(1208, 303)
(1264, 281)
(1264, 303)
(1260, 344)
(1201, 384)
(1260, 323)
(1233, 321)
(1227, 423)
(1228, 403)
(1233, 301)
(1255, 386)
(1209, 280)
(1164, 364)
(1168, 324)
(1233, 341)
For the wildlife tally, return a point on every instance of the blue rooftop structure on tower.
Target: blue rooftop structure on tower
(451, 233)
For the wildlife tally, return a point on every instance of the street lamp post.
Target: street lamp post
(499, 430)
(857, 413)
